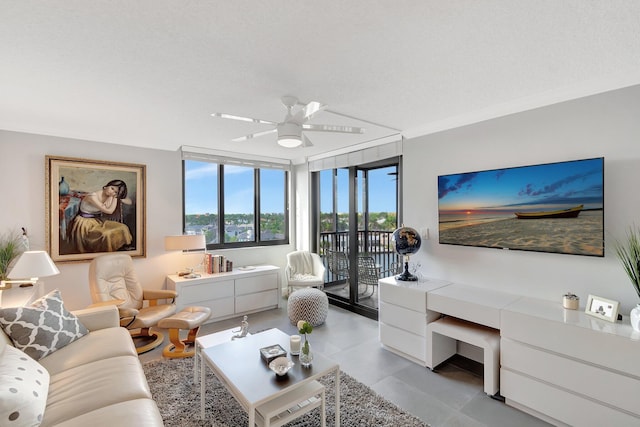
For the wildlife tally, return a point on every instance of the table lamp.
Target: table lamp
(186, 243)
(27, 270)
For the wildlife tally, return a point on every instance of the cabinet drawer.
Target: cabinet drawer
(222, 307)
(406, 342)
(574, 340)
(411, 321)
(560, 404)
(191, 294)
(411, 298)
(248, 285)
(588, 380)
(256, 301)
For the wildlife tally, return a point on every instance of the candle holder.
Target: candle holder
(294, 345)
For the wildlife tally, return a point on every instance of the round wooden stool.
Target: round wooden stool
(189, 318)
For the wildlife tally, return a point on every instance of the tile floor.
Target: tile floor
(451, 397)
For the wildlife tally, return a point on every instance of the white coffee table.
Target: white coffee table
(211, 340)
(239, 367)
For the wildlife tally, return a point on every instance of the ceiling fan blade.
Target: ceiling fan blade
(254, 135)
(312, 108)
(333, 128)
(307, 111)
(306, 142)
(243, 119)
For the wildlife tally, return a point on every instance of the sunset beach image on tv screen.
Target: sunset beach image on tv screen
(553, 207)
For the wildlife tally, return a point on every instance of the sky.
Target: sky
(201, 194)
(382, 190)
(539, 187)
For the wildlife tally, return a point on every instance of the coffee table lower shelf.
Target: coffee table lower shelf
(291, 405)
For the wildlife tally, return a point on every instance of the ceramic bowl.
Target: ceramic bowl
(281, 365)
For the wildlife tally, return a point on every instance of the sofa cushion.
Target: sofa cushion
(91, 386)
(132, 413)
(43, 327)
(97, 345)
(24, 384)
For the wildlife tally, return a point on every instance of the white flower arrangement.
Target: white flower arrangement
(305, 328)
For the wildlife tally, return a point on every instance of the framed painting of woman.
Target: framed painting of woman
(94, 207)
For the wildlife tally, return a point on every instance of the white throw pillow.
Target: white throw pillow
(24, 384)
(43, 327)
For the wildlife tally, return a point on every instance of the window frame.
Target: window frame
(257, 242)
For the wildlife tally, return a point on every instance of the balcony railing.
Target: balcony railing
(376, 244)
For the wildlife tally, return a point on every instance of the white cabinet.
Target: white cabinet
(229, 294)
(569, 368)
(403, 316)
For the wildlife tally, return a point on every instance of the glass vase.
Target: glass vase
(306, 355)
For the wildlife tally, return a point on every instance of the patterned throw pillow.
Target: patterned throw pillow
(43, 327)
(24, 384)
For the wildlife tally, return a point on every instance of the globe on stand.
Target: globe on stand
(406, 241)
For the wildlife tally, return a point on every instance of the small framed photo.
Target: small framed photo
(602, 308)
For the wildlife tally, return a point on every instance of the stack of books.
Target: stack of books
(217, 264)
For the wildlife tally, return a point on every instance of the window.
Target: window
(273, 200)
(235, 205)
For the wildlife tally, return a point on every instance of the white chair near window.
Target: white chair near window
(304, 270)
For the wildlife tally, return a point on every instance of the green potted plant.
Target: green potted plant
(11, 245)
(628, 252)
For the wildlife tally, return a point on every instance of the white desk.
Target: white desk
(477, 305)
(560, 365)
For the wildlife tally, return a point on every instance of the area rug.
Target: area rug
(172, 387)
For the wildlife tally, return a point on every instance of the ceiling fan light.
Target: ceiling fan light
(289, 135)
(289, 141)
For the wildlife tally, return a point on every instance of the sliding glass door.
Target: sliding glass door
(356, 213)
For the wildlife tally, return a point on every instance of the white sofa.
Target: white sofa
(97, 380)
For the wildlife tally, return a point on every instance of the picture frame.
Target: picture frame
(602, 308)
(94, 207)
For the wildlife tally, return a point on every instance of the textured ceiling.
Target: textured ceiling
(149, 73)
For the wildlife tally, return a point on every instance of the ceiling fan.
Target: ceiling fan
(290, 130)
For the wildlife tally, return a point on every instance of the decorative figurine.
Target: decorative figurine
(244, 329)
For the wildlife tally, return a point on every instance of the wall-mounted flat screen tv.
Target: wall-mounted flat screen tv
(553, 207)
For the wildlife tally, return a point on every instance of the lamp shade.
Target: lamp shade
(33, 264)
(185, 242)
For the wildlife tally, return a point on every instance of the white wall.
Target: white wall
(22, 172)
(603, 125)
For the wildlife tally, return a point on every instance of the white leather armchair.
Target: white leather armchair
(304, 269)
(112, 280)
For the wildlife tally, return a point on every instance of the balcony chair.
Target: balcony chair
(112, 280)
(304, 270)
(338, 265)
(369, 273)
